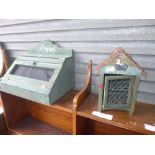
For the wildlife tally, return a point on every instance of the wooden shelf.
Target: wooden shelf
(144, 114)
(72, 114)
(29, 126)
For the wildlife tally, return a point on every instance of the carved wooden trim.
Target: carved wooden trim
(4, 64)
(81, 95)
(1, 62)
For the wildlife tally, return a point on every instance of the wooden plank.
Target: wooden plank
(144, 114)
(27, 26)
(7, 22)
(146, 98)
(82, 127)
(14, 109)
(3, 127)
(86, 88)
(28, 126)
(143, 60)
(58, 115)
(98, 128)
(131, 47)
(51, 116)
(112, 34)
(80, 97)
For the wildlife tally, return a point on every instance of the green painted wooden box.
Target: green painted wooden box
(44, 75)
(118, 85)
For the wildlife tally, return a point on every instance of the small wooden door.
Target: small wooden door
(118, 92)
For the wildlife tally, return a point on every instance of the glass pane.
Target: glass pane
(33, 72)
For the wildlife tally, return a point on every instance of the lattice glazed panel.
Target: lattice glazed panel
(118, 91)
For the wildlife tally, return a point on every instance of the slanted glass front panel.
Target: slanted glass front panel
(38, 73)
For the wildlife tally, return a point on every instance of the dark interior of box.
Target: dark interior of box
(38, 73)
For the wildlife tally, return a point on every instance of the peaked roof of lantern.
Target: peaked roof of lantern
(116, 53)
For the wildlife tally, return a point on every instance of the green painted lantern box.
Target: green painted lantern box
(118, 85)
(44, 75)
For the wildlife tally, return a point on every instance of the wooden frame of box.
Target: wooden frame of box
(118, 85)
(45, 74)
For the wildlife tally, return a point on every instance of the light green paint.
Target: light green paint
(47, 55)
(132, 72)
